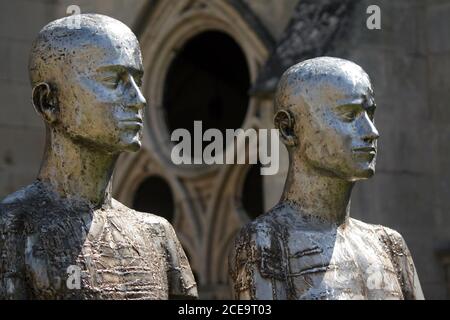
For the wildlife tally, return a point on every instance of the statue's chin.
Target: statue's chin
(362, 175)
(130, 141)
(134, 146)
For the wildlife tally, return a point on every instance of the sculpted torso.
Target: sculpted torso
(121, 253)
(307, 246)
(64, 237)
(284, 256)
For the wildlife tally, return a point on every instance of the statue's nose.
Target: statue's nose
(136, 98)
(370, 131)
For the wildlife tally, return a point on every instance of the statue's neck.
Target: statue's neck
(76, 171)
(317, 194)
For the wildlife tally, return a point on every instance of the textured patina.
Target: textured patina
(86, 88)
(307, 246)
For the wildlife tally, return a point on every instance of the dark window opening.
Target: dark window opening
(207, 81)
(154, 195)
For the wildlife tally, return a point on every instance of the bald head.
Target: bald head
(60, 48)
(319, 81)
(86, 82)
(325, 109)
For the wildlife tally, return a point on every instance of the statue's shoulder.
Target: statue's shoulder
(22, 196)
(396, 248)
(395, 237)
(393, 240)
(20, 203)
(266, 230)
(153, 221)
(258, 245)
(389, 237)
(364, 226)
(182, 282)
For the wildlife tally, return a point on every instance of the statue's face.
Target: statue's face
(101, 104)
(337, 133)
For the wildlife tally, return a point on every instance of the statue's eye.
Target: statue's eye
(349, 115)
(111, 81)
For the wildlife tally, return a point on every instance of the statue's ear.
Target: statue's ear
(284, 122)
(45, 102)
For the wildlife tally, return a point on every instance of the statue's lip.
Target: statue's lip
(136, 123)
(134, 120)
(365, 149)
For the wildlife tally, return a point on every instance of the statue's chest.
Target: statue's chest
(332, 266)
(107, 260)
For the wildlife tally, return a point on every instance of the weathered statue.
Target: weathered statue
(63, 236)
(307, 246)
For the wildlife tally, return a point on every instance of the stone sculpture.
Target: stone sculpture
(63, 236)
(307, 246)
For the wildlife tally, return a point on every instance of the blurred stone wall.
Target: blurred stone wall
(409, 64)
